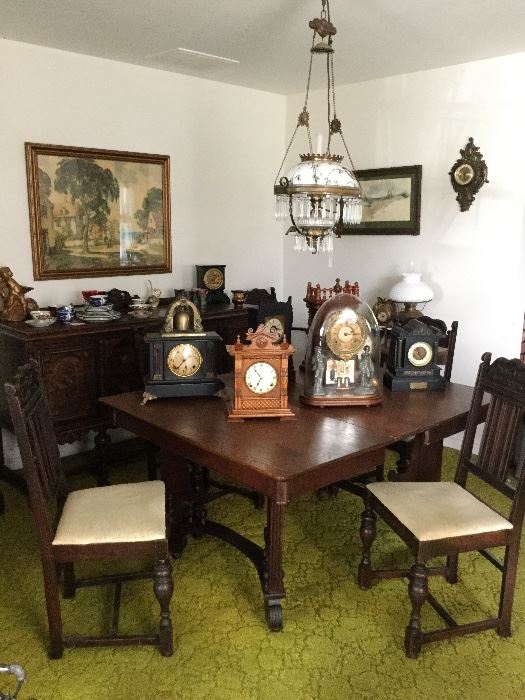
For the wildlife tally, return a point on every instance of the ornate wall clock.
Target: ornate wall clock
(468, 174)
(261, 376)
(182, 358)
(412, 354)
(212, 278)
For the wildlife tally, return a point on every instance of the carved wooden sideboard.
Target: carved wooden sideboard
(81, 363)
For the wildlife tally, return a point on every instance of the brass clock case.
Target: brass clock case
(346, 334)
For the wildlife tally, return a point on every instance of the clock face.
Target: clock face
(419, 354)
(184, 360)
(346, 336)
(213, 278)
(463, 174)
(276, 325)
(260, 377)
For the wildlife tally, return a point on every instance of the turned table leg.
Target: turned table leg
(273, 565)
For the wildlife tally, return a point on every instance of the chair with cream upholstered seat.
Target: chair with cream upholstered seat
(121, 522)
(444, 518)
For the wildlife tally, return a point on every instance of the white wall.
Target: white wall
(473, 261)
(225, 143)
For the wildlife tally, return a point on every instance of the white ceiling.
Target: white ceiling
(271, 38)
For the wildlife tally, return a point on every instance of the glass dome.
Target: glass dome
(342, 365)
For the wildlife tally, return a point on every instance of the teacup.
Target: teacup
(41, 315)
(66, 313)
(98, 299)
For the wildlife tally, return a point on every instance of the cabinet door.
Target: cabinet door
(70, 380)
(119, 364)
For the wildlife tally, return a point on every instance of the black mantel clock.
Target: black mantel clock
(212, 278)
(412, 354)
(183, 357)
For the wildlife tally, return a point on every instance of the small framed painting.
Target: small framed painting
(97, 213)
(391, 201)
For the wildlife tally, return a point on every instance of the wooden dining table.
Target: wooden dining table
(282, 460)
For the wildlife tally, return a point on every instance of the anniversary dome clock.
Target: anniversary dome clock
(343, 355)
(212, 278)
(261, 376)
(183, 357)
(412, 354)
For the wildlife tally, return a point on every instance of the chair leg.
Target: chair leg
(417, 591)
(452, 568)
(54, 617)
(163, 587)
(367, 532)
(70, 584)
(152, 452)
(507, 590)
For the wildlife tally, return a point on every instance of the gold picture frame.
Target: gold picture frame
(97, 213)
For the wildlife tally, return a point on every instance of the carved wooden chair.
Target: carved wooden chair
(444, 518)
(256, 296)
(126, 521)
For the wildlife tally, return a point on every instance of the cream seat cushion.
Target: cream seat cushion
(436, 510)
(120, 513)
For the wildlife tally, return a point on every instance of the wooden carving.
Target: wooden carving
(13, 304)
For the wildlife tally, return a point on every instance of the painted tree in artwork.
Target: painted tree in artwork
(152, 203)
(91, 189)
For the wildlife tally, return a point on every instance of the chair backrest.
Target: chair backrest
(38, 448)
(503, 382)
(448, 341)
(256, 296)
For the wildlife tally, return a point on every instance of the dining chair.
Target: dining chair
(108, 523)
(445, 518)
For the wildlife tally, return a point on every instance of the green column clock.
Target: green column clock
(412, 353)
(212, 278)
(183, 357)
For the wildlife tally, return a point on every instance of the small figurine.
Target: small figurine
(319, 367)
(14, 305)
(366, 367)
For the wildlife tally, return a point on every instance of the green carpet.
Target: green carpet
(338, 642)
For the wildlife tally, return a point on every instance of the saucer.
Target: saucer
(43, 323)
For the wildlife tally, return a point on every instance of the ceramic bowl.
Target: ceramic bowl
(41, 315)
(98, 299)
(87, 293)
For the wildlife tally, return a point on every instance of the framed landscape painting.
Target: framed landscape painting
(97, 213)
(391, 201)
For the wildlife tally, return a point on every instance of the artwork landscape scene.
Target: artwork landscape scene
(97, 213)
(391, 201)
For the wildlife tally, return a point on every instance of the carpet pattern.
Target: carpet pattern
(338, 642)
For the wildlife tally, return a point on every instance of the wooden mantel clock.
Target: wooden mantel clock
(261, 376)
(183, 357)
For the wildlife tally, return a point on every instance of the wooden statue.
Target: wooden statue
(13, 304)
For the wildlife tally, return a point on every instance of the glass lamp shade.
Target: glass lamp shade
(411, 289)
(322, 192)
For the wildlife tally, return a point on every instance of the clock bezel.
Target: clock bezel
(173, 350)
